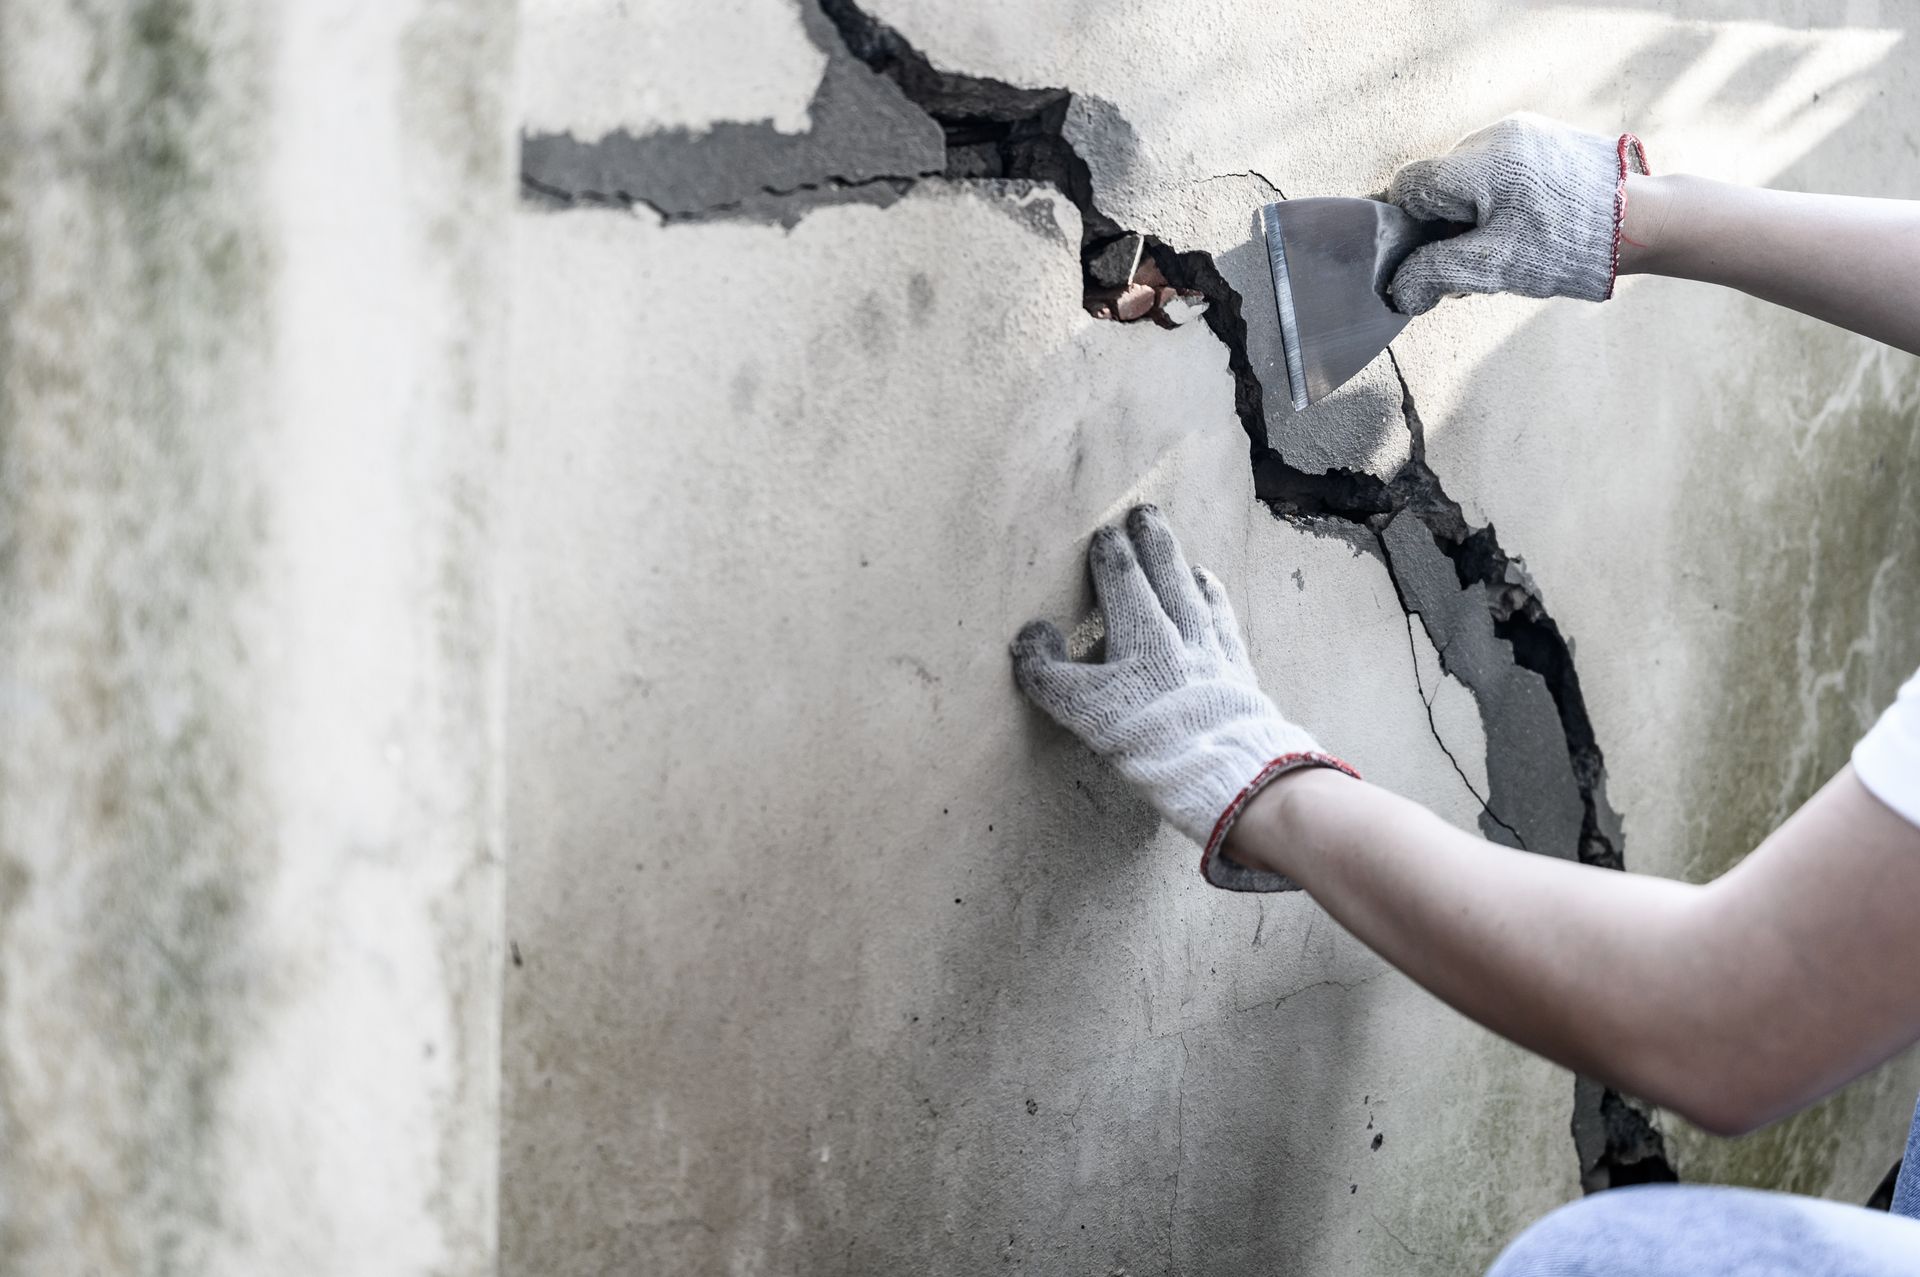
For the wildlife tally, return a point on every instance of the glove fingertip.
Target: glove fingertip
(1432, 272)
(1109, 548)
(1435, 190)
(1409, 180)
(1432, 206)
(1144, 517)
(1039, 642)
(1412, 296)
(1155, 547)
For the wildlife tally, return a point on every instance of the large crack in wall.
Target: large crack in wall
(884, 117)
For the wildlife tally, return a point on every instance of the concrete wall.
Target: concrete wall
(835, 957)
(250, 427)
(658, 529)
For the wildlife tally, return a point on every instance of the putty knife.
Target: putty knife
(1332, 260)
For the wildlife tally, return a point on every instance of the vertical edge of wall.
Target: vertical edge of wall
(250, 434)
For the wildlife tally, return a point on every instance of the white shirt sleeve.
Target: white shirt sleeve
(1887, 759)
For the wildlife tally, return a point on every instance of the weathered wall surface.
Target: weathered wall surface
(832, 956)
(249, 435)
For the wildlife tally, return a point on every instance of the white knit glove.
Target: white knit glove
(1175, 706)
(1545, 201)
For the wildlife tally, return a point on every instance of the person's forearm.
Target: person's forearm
(1851, 261)
(1672, 992)
(1586, 966)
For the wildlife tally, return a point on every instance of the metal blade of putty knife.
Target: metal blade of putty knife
(1332, 260)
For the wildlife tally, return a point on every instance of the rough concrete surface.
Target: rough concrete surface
(833, 956)
(817, 950)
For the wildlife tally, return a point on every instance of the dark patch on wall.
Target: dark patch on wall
(1479, 607)
(1616, 1142)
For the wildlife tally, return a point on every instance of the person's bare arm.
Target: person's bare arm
(1732, 1004)
(1851, 261)
(1553, 211)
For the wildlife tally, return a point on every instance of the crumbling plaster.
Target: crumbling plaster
(770, 567)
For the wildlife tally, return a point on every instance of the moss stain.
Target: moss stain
(133, 823)
(1808, 532)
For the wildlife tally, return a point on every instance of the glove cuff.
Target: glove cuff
(1230, 875)
(1632, 155)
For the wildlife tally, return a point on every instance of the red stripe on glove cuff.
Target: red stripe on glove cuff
(1273, 770)
(1628, 143)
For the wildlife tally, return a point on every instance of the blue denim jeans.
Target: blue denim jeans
(1685, 1230)
(1906, 1189)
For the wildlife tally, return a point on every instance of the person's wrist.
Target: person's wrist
(1271, 832)
(1644, 227)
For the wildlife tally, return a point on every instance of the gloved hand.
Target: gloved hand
(1546, 202)
(1175, 706)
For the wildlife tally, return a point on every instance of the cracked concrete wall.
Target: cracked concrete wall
(250, 420)
(832, 956)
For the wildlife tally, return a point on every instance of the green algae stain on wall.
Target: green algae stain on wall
(1838, 1148)
(1808, 536)
(1808, 541)
(132, 818)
